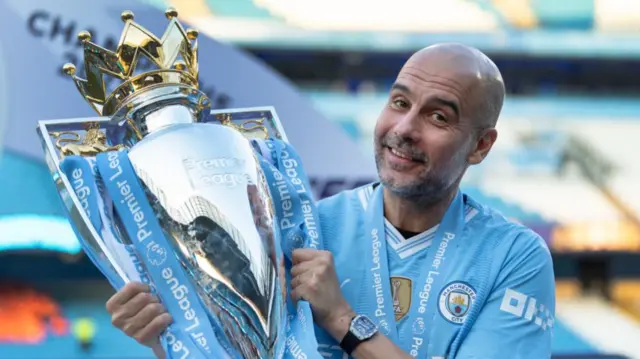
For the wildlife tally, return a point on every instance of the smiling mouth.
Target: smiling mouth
(403, 155)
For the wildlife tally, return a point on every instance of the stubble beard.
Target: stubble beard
(431, 185)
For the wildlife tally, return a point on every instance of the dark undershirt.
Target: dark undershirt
(406, 234)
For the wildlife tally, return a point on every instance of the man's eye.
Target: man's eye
(439, 117)
(400, 104)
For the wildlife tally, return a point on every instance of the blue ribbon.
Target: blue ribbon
(86, 183)
(80, 173)
(299, 228)
(191, 335)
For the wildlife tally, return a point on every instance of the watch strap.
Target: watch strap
(350, 342)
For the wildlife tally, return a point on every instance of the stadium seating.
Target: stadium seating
(626, 293)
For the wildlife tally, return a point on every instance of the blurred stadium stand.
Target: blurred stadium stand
(565, 163)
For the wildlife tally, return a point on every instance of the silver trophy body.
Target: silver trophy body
(210, 195)
(212, 200)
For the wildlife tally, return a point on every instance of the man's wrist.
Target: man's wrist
(338, 326)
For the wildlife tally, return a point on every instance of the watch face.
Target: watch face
(363, 328)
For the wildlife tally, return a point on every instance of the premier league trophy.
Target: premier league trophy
(161, 189)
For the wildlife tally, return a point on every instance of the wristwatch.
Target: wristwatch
(361, 329)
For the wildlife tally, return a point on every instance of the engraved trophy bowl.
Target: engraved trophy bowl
(200, 174)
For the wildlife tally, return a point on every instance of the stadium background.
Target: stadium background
(565, 163)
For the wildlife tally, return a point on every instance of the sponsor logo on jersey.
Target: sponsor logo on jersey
(528, 308)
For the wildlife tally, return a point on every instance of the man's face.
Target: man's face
(425, 133)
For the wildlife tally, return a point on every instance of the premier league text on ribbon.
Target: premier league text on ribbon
(81, 189)
(425, 293)
(292, 203)
(178, 290)
(377, 279)
(439, 257)
(306, 206)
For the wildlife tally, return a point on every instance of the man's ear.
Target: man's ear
(482, 146)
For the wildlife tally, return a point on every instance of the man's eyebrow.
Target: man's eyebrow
(400, 87)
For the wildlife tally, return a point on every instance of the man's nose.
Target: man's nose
(409, 126)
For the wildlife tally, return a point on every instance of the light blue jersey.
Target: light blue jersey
(481, 288)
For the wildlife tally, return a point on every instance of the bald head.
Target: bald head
(472, 69)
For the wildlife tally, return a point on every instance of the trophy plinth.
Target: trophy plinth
(198, 170)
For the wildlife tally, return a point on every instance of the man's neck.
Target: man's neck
(415, 216)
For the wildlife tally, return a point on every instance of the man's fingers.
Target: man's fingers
(131, 308)
(151, 332)
(125, 294)
(303, 254)
(299, 293)
(300, 268)
(297, 280)
(143, 318)
(138, 302)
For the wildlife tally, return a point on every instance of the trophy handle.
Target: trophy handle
(247, 127)
(86, 138)
(253, 122)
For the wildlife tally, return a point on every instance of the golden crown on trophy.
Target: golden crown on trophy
(175, 57)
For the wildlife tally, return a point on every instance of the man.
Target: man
(420, 269)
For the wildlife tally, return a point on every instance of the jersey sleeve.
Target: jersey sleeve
(517, 319)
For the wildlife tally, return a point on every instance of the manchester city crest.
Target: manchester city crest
(455, 301)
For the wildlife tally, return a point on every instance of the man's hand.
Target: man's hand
(314, 279)
(138, 313)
